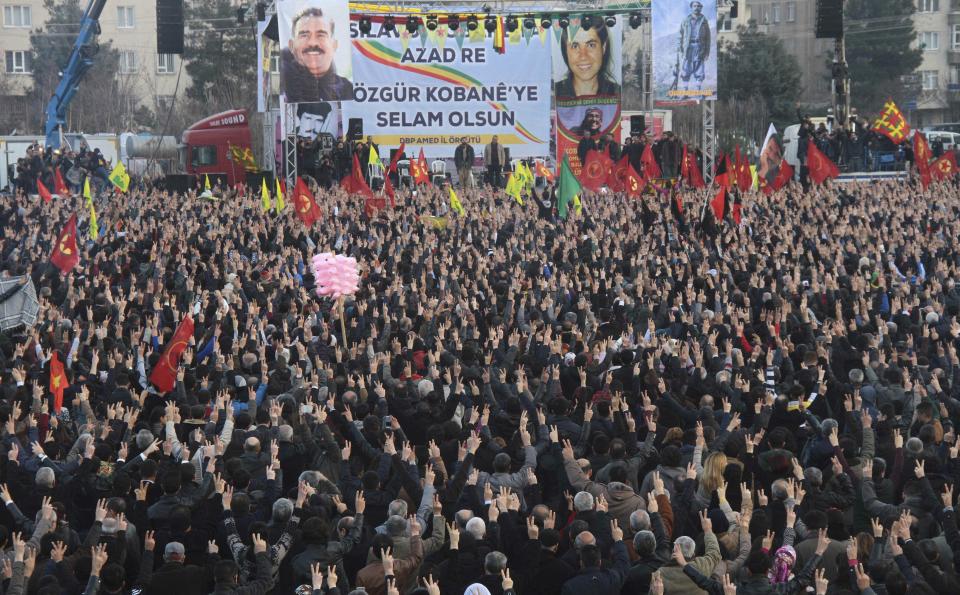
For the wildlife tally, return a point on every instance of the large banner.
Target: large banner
(434, 89)
(587, 74)
(684, 50)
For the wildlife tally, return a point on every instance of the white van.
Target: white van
(950, 139)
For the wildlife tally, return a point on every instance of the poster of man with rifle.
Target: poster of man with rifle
(684, 50)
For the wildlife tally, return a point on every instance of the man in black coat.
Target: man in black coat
(595, 579)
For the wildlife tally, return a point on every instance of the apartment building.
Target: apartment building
(130, 26)
(938, 78)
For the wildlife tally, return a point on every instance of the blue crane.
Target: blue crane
(81, 59)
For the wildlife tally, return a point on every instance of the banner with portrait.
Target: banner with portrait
(684, 50)
(587, 78)
(435, 89)
(315, 63)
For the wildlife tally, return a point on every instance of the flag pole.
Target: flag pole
(343, 325)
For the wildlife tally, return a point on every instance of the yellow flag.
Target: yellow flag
(264, 195)
(455, 202)
(120, 177)
(94, 228)
(513, 187)
(577, 205)
(86, 189)
(280, 204)
(206, 182)
(374, 158)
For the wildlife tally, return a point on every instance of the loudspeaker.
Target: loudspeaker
(638, 124)
(355, 129)
(180, 182)
(170, 26)
(829, 23)
(253, 179)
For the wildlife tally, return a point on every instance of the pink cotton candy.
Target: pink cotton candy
(335, 275)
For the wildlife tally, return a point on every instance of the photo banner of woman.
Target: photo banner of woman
(587, 78)
(684, 50)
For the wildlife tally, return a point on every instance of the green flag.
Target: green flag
(569, 189)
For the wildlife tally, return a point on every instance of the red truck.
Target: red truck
(205, 147)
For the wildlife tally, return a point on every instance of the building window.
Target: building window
(928, 5)
(165, 64)
(775, 12)
(17, 16)
(124, 17)
(931, 80)
(956, 37)
(275, 63)
(18, 62)
(955, 74)
(724, 23)
(164, 102)
(128, 62)
(930, 41)
(791, 12)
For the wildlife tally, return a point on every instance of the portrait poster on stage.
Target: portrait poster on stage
(587, 79)
(684, 50)
(316, 70)
(434, 89)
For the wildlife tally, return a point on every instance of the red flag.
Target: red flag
(164, 374)
(690, 170)
(820, 165)
(722, 176)
(423, 167)
(44, 193)
(945, 167)
(618, 179)
(784, 175)
(58, 381)
(892, 124)
(735, 212)
(921, 156)
(632, 182)
(65, 254)
(59, 186)
(594, 172)
(649, 163)
(388, 189)
(396, 157)
(354, 182)
(306, 205)
(744, 177)
(543, 172)
(719, 204)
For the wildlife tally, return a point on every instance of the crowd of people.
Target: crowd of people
(623, 401)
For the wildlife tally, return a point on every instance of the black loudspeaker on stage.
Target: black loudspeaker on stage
(638, 125)
(170, 26)
(355, 129)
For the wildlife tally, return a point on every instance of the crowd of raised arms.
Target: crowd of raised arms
(626, 401)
